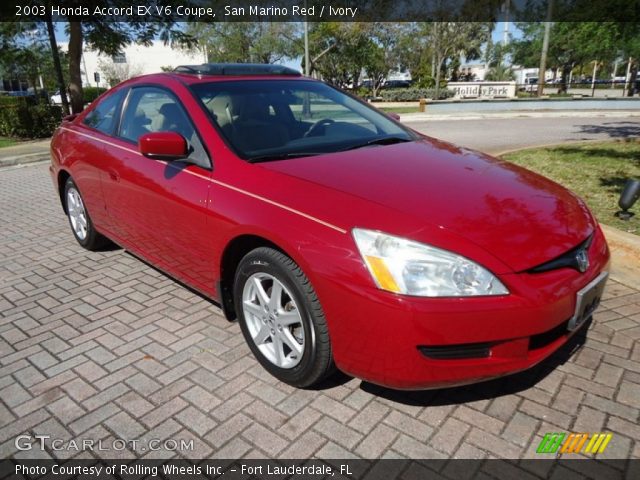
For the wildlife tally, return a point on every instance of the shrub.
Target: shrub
(414, 94)
(29, 121)
(89, 94)
(11, 101)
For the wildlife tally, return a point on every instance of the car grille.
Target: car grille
(456, 352)
(566, 260)
(483, 350)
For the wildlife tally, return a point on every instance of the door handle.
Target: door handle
(113, 175)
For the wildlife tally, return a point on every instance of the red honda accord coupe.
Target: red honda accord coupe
(337, 236)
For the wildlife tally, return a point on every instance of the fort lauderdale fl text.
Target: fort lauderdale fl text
(189, 12)
(171, 469)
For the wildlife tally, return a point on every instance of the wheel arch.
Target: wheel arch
(63, 176)
(233, 253)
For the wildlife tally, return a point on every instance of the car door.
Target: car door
(159, 208)
(90, 144)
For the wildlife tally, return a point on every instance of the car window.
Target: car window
(315, 106)
(104, 116)
(274, 119)
(150, 109)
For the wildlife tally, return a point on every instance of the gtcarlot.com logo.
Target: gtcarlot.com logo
(589, 443)
(39, 442)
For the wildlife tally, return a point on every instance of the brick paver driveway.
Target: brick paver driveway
(99, 346)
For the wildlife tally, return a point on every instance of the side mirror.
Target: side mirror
(394, 115)
(163, 146)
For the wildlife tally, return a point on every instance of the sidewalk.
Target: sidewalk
(25, 152)
(439, 116)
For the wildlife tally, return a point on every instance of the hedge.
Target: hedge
(413, 94)
(29, 121)
(11, 101)
(89, 94)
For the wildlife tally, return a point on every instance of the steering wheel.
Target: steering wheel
(315, 128)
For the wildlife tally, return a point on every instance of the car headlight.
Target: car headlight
(411, 268)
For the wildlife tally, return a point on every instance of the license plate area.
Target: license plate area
(587, 300)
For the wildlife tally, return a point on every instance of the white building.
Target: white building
(134, 60)
(474, 71)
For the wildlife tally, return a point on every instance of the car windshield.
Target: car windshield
(266, 120)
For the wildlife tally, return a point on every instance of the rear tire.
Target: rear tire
(79, 219)
(281, 318)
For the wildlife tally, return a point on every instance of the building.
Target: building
(133, 60)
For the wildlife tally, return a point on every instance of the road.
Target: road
(496, 135)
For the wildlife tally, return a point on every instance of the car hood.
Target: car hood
(519, 217)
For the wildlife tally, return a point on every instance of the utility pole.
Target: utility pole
(627, 79)
(505, 33)
(545, 48)
(307, 67)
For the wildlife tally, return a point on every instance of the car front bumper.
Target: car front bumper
(417, 343)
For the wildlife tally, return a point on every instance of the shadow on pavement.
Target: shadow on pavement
(613, 129)
(485, 390)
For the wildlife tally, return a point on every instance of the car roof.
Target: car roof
(218, 72)
(192, 74)
(236, 69)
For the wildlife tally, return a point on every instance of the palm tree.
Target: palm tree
(500, 73)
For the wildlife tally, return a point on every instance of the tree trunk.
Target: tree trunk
(438, 70)
(58, 68)
(75, 58)
(633, 77)
(566, 69)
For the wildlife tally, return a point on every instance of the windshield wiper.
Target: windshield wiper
(281, 156)
(379, 141)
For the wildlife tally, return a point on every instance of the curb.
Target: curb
(23, 159)
(625, 256)
(559, 144)
(422, 117)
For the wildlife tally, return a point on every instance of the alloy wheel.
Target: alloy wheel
(273, 319)
(77, 213)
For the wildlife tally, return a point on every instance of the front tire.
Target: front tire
(79, 219)
(281, 318)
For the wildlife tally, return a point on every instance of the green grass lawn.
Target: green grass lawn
(6, 142)
(400, 110)
(597, 172)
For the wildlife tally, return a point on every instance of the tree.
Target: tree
(339, 51)
(107, 36)
(380, 55)
(455, 39)
(570, 45)
(25, 54)
(495, 59)
(415, 53)
(630, 50)
(241, 42)
(115, 73)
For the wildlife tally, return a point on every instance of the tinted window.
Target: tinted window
(275, 119)
(104, 116)
(151, 109)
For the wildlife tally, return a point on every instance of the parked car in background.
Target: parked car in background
(56, 98)
(396, 84)
(335, 235)
(530, 85)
